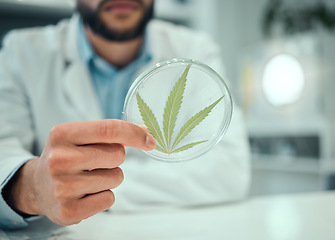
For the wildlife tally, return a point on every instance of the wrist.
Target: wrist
(23, 191)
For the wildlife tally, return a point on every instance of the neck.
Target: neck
(118, 54)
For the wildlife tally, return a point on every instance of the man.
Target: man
(59, 159)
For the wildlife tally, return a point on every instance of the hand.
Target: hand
(72, 178)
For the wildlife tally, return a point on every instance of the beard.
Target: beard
(92, 20)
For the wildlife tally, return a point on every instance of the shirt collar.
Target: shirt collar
(85, 49)
(88, 54)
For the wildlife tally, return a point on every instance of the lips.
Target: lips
(121, 7)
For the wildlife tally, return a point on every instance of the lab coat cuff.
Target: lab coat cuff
(9, 219)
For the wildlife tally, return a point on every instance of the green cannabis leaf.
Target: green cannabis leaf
(170, 114)
(187, 146)
(172, 107)
(193, 122)
(151, 122)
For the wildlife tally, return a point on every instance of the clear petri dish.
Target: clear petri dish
(185, 105)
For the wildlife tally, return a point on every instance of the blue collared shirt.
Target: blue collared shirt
(111, 84)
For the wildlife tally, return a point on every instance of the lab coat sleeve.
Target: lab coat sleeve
(16, 131)
(219, 176)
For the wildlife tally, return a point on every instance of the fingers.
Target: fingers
(74, 212)
(79, 165)
(74, 187)
(63, 161)
(103, 179)
(100, 156)
(102, 131)
(96, 203)
(78, 197)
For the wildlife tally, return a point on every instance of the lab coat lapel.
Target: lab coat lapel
(80, 92)
(77, 84)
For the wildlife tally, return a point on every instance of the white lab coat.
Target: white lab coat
(43, 82)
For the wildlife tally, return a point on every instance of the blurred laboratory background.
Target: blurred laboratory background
(280, 60)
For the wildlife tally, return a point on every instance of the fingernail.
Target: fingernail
(150, 141)
(144, 127)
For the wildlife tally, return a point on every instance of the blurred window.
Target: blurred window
(15, 15)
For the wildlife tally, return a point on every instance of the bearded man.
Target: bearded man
(62, 140)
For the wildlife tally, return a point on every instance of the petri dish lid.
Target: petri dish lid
(185, 105)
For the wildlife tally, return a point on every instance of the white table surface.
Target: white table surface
(308, 216)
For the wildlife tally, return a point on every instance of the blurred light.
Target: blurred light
(283, 80)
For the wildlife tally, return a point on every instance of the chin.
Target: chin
(121, 21)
